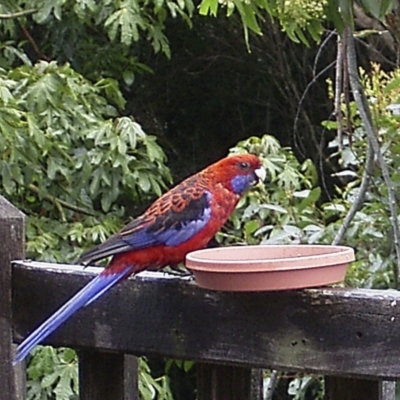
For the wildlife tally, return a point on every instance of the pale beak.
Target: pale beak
(260, 173)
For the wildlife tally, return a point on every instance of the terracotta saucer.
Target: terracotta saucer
(264, 267)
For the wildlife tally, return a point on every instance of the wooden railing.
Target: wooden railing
(351, 336)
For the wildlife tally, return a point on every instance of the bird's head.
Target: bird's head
(240, 171)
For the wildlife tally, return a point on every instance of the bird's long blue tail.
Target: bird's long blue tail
(93, 290)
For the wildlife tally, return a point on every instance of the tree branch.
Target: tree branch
(365, 114)
(339, 91)
(33, 43)
(58, 202)
(273, 381)
(18, 14)
(359, 200)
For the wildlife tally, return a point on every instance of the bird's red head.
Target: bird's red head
(239, 171)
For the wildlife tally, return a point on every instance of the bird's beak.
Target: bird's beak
(260, 173)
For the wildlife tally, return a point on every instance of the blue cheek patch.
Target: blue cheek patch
(241, 182)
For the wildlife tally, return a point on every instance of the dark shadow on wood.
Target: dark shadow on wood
(107, 376)
(216, 382)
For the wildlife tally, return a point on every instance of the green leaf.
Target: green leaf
(127, 21)
(298, 33)
(209, 7)
(6, 176)
(68, 375)
(51, 168)
(249, 17)
(144, 182)
(250, 227)
(386, 6)
(315, 29)
(95, 182)
(106, 201)
(112, 91)
(311, 199)
(274, 207)
(392, 85)
(372, 7)
(128, 77)
(5, 94)
(50, 379)
(44, 10)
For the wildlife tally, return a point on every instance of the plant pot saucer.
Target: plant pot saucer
(269, 267)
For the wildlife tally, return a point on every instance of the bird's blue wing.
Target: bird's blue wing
(170, 221)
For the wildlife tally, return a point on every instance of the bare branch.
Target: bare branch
(59, 203)
(342, 69)
(365, 114)
(273, 381)
(338, 91)
(359, 200)
(18, 14)
(33, 43)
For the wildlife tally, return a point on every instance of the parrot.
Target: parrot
(182, 220)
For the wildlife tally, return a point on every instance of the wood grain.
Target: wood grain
(327, 331)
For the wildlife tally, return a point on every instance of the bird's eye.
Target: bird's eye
(244, 165)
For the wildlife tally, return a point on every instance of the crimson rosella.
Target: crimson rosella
(182, 220)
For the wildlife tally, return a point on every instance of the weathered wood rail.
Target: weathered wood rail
(350, 336)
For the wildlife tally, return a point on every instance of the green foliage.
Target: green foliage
(123, 22)
(78, 169)
(52, 374)
(300, 19)
(66, 156)
(370, 231)
(74, 167)
(288, 209)
(295, 17)
(151, 388)
(69, 160)
(379, 8)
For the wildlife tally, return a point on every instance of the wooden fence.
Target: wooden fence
(351, 336)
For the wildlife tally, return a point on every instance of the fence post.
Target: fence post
(107, 376)
(12, 246)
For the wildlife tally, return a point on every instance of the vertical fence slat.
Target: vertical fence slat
(358, 389)
(11, 247)
(257, 384)
(131, 378)
(107, 376)
(387, 390)
(216, 382)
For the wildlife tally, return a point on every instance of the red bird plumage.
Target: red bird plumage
(182, 220)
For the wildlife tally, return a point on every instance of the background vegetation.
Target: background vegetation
(104, 105)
